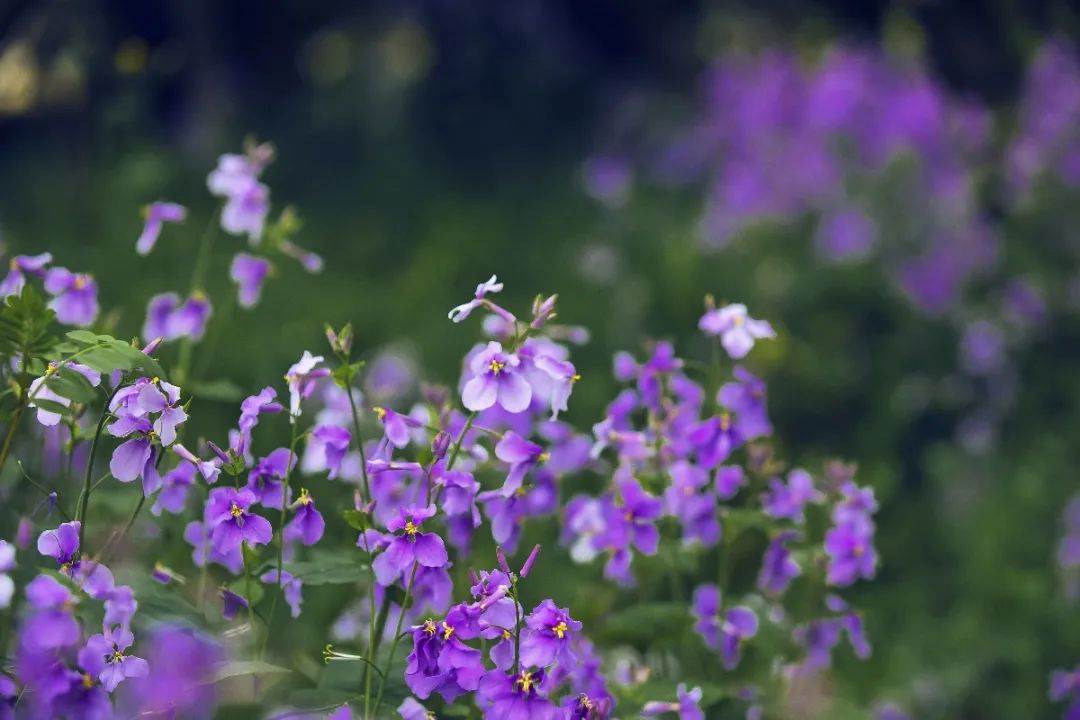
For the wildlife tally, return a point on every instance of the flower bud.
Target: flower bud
(440, 444)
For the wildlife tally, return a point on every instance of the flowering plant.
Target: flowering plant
(416, 510)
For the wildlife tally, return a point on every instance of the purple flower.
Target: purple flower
(440, 661)
(495, 379)
(396, 426)
(52, 624)
(729, 478)
(462, 311)
(164, 399)
(301, 378)
(174, 489)
(736, 329)
(156, 215)
(687, 707)
(850, 547)
(326, 449)
(135, 458)
(290, 585)
(411, 546)
(232, 603)
(307, 524)
(503, 696)
(230, 522)
(695, 510)
(787, 501)
(111, 645)
(252, 407)
(209, 469)
(550, 631)
(183, 662)
(61, 544)
(746, 398)
(706, 610)
(266, 479)
(168, 318)
(74, 296)
(521, 454)
(19, 267)
(715, 439)
(197, 535)
(778, 569)
(249, 272)
(739, 624)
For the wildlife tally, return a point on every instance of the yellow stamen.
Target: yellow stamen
(544, 457)
(87, 681)
(496, 366)
(506, 634)
(447, 631)
(575, 377)
(380, 412)
(305, 498)
(430, 628)
(411, 529)
(560, 630)
(525, 681)
(725, 422)
(235, 511)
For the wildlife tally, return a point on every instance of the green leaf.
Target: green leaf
(137, 359)
(50, 406)
(241, 668)
(84, 336)
(343, 375)
(27, 325)
(105, 360)
(356, 519)
(67, 383)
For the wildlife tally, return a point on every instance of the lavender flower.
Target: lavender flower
(19, 267)
(74, 296)
(495, 379)
(551, 630)
(156, 215)
(687, 707)
(111, 644)
(412, 546)
(301, 378)
(230, 521)
(735, 328)
(461, 312)
(249, 272)
(307, 524)
(515, 696)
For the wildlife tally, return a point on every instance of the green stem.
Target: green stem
(397, 636)
(84, 499)
(281, 533)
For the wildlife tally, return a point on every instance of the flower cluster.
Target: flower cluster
(679, 465)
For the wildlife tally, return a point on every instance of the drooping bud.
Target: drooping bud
(502, 560)
(440, 444)
(153, 345)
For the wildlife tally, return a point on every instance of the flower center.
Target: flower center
(585, 702)
(80, 282)
(235, 511)
(738, 320)
(87, 681)
(448, 630)
(116, 656)
(858, 550)
(411, 529)
(305, 498)
(430, 628)
(525, 681)
(380, 412)
(725, 422)
(496, 367)
(560, 630)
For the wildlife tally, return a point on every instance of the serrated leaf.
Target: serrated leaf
(241, 668)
